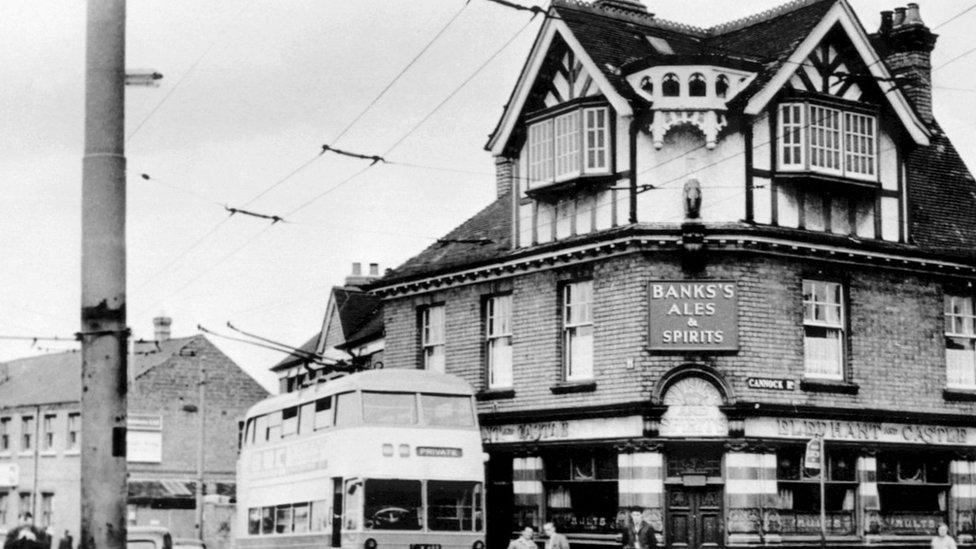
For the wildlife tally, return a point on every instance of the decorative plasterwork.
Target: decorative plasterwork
(710, 123)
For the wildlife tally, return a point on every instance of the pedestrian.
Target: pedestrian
(556, 540)
(66, 541)
(942, 539)
(24, 536)
(639, 534)
(524, 541)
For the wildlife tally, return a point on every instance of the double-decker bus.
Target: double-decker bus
(383, 459)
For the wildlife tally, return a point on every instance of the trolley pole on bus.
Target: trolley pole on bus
(104, 336)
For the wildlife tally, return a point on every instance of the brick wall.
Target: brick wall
(167, 388)
(895, 342)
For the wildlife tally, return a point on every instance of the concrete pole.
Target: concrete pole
(201, 445)
(104, 336)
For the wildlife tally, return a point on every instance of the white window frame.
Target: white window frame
(571, 144)
(851, 140)
(577, 309)
(432, 336)
(816, 316)
(27, 427)
(6, 438)
(48, 431)
(498, 341)
(73, 439)
(960, 326)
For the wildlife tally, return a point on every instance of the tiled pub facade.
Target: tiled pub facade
(677, 355)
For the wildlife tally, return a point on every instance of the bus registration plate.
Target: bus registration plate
(425, 546)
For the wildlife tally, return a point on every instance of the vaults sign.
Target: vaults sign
(693, 315)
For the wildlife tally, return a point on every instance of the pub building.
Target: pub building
(709, 247)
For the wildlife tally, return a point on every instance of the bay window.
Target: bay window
(568, 145)
(578, 330)
(827, 140)
(498, 341)
(432, 337)
(823, 329)
(960, 342)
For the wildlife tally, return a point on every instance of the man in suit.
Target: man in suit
(556, 540)
(639, 534)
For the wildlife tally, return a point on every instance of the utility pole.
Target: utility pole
(104, 335)
(201, 441)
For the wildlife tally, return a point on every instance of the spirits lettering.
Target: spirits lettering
(692, 315)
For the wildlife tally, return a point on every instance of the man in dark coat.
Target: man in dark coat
(66, 541)
(639, 534)
(25, 536)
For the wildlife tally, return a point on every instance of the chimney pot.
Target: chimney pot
(357, 269)
(912, 16)
(886, 22)
(161, 324)
(899, 17)
(374, 269)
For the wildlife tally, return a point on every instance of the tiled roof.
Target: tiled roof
(293, 359)
(56, 377)
(942, 199)
(493, 224)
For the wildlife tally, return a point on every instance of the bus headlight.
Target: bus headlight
(370, 543)
(478, 545)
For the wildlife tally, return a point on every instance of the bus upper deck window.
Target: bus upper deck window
(261, 427)
(347, 409)
(323, 413)
(389, 408)
(447, 410)
(306, 418)
(289, 421)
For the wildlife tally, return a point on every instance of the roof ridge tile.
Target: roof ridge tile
(761, 17)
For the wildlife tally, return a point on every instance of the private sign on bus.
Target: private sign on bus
(375, 460)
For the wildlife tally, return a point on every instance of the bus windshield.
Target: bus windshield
(447, 410)
(393, 504)
(389, 408)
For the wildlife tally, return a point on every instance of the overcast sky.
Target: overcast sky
(251, 92)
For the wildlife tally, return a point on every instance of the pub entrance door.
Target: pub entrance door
(694, 517)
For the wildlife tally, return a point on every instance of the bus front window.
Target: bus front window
(454, 505)
(389, 408)
(447, 410)
(392, 504)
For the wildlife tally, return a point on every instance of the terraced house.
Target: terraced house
(711, 246)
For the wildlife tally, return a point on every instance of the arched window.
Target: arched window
(722, 86)
(670, 86)
(697, 86)
(647, 85)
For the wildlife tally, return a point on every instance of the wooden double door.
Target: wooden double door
(694, 517)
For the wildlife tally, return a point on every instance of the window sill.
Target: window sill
(49, 453)
(565, 387)
(959, 395)
(494, 394)
(829, 386)
(827, 180)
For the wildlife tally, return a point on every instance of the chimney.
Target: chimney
(161, 325)
(634, 6)
(357, 278)
(906, 46)
(504, 175)
(886, 23)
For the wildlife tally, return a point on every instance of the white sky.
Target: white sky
(278, 80)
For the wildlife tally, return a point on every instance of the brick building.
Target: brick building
(40, 435)
(711, 246)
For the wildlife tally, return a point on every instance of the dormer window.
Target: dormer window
(697, 86)
(827, 140)
(721, 86)
(671, 87)
(571, 144)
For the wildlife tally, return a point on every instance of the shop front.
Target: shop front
(707, 473)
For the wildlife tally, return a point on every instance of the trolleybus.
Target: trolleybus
(383, 459)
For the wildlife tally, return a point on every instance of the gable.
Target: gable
(832, 68)
(563, 78)
(813, 61)
(570, 82)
